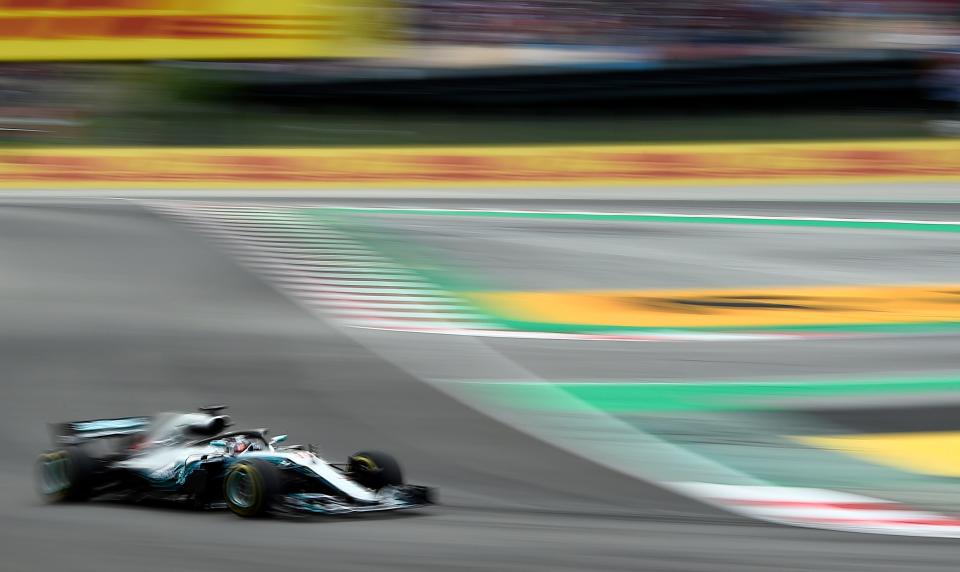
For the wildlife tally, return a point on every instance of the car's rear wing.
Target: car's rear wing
(73, 432)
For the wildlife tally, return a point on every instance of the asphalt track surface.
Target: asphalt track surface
(107, 309)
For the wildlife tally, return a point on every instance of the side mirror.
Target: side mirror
(219, 443)
(278, 439)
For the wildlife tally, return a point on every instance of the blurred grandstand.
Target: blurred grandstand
(746, 54)
(702, 23)
(649, 22)
(471, 33)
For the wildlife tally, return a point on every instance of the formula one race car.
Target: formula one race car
(188, 458)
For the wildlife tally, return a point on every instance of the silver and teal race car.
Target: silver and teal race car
(190, 458)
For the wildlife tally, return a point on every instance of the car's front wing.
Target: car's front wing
(391, 498)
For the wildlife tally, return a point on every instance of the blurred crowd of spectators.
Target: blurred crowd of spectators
(639, 22)
(52, 100)
(41, 100)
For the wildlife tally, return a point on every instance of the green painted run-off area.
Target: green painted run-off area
(653, 397)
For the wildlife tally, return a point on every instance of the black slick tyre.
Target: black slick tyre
(66, 475)
(375, 469)
(251, 488)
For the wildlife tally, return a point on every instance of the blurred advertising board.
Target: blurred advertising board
(173, 167)
(59, 30)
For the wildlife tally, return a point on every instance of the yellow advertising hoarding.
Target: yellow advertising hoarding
(305, 167)
(57, 30)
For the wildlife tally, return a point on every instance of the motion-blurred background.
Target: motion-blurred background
(396, 72)
(460, 231)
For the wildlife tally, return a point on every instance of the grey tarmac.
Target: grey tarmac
(108, 309)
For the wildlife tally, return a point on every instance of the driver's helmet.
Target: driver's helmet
(242, 444)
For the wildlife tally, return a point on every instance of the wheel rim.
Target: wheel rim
(54, 473)
(241, 490)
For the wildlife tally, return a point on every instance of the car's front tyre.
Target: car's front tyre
(375, 469)
(251, 488)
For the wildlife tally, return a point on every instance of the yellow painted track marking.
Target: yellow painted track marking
(792, 306)
(929, 453)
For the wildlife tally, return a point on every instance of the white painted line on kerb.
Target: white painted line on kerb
(309, 241)
(346, 273)
(313, 261)
(355, 257)
(419, 297)
(323, 265)
(413, 326)
(288, 230)
(355, 304)
(402, 313)
(304, 272)
(279, 233)
(332, 281)
(268, 247)
(494, 332)
(357, 290)
(652, 214)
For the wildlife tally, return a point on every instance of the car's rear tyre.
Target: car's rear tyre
(251, 488)
(65, 475)
(375, 469)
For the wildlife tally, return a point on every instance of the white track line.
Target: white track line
(653, 214)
